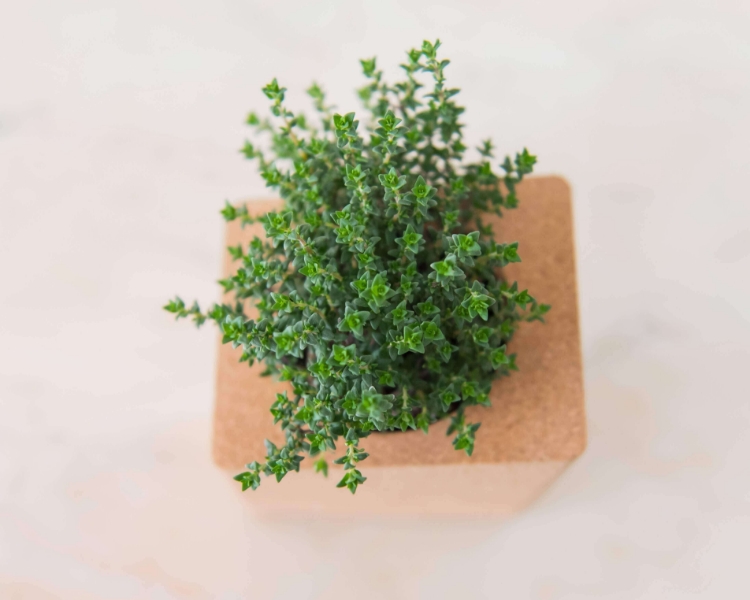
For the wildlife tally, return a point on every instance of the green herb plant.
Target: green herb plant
(377, 289)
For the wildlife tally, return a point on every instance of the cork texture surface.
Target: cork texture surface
(537, 413)
(469, 490)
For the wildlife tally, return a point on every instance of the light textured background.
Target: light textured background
(119, 129)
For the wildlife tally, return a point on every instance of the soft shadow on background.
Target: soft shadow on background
(119, 129)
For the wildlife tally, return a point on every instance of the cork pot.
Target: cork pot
(534, 429)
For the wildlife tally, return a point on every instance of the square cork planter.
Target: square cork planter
(534, 429)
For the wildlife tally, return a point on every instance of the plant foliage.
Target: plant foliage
(377, 289)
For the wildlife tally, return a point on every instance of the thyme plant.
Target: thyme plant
(377, 288)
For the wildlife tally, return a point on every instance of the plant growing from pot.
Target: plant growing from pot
(378, 292)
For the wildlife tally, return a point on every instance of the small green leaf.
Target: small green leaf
(321, 466)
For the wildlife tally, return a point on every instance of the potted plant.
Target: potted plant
(380, 298)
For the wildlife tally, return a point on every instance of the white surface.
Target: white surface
(119, 129)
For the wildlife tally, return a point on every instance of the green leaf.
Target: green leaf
(421, 190)
(446, 271)
(368, 66)
(321, 466)
(431, 330)
(499, 358)
(248, 480)
(351, 480)
(175, 306)
(423, 422)
(229, 212)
